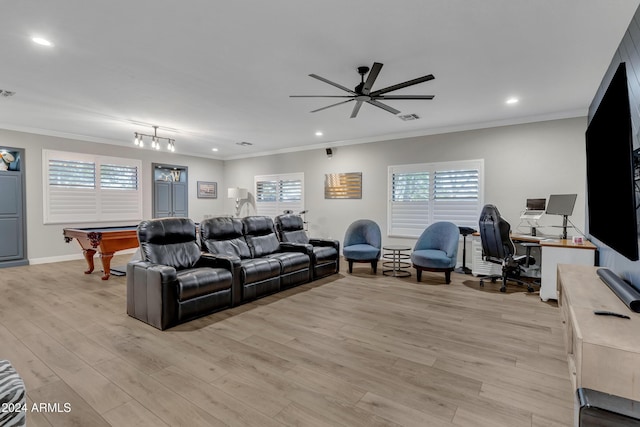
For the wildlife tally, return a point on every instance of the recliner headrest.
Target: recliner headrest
(221, 228)
(258, 225)
(167, 230)
(290, 222)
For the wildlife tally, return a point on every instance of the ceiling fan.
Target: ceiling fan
(362, 93)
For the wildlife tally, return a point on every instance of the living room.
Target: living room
(469, 356)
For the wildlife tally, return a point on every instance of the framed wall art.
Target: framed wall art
(207, 190)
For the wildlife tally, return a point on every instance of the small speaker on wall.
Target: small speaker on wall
(329, 152)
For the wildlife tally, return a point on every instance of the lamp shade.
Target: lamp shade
(237, 193)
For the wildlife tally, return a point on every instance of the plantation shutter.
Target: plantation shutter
(456, 197)
(278, 193)
(422, 194)
(119, 192)
(409, 206)
(87, 188)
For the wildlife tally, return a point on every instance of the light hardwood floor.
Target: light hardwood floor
(348, 350)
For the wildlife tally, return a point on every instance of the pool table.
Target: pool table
(106, 240)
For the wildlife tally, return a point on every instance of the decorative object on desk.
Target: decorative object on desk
(343, 185)
(578, 240)
(207, 190)
(155, 140)
(238, 194)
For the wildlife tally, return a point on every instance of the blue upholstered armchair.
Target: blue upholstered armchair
(362, 243)
(437, 249)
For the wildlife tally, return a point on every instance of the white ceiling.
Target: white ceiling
(215, 73)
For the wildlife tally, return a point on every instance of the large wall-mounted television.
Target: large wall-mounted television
(610, 170)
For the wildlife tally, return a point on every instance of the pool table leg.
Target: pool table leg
(88, 255)
(106, 264)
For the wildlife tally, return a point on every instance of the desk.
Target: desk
(107, 240)
(562, 251)
(554, 252)
(397, 262)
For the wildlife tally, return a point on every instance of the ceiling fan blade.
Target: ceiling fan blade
(320, 96)
(333, 105)
(339, 86)
(383, 106)
(373, 75)
(356, 108)
(405, 97)
(403, 85)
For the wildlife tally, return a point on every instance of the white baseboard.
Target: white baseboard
(73, 257)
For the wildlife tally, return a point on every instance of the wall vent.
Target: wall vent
(407, 117)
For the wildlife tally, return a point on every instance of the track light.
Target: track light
(155, 140)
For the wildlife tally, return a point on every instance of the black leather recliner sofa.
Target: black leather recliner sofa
(175, 282)
(324, 253)
(262, 265)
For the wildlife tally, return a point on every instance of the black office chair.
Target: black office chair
(498, 248)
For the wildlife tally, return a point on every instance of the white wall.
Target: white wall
(521, 161)
(45, 242)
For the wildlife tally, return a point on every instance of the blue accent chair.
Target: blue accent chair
(437, 249)
(362, 243)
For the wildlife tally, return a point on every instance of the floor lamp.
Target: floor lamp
(238, 194)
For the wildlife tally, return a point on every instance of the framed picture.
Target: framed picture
(207, 190)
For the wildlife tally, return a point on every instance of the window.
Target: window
(278, 193)
(422, 194)
(87, 188)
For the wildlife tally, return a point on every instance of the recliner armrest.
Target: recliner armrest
(325, 242)
(152, 293)
(304, 248)
(228, 262)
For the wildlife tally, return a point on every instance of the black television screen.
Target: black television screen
(610, 177)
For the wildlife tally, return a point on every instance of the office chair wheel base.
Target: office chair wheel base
(529, 289)
(494, 280)
(481, 283)
(503, 289)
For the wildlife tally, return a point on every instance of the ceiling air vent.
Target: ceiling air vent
(244, 143)
(6, 93)
(407, 117)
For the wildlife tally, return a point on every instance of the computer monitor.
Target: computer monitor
(536, 204)
(561, 204)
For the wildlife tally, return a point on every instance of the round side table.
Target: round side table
(397, 264)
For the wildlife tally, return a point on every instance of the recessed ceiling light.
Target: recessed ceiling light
(41, 41)
(512, 100)
(214, 149)
(319, 133)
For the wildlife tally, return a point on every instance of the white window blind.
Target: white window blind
(421, 194)
(88, 188)
(278, 193)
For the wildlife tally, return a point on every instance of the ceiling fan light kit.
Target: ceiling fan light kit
(362, 92)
